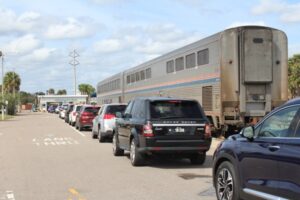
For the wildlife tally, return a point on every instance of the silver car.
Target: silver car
(104, 123)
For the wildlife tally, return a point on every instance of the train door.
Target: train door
(256, 72)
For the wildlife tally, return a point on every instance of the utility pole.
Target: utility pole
(74, 63)
(2, 87)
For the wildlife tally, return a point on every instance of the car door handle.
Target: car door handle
(273, 147)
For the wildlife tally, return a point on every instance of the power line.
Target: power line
(73, 54)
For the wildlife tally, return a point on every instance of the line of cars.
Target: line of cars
(262, 162)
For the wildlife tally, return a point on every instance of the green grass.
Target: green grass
(6, 117)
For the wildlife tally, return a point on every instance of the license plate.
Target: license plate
(179, 130)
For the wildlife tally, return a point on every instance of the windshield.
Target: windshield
(175, 109)
(78, 108)
(92, 109)
(116, 108)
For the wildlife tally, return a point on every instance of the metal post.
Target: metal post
(74, 63)
(2, 88)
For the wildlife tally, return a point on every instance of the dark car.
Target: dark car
(68, 110)
(162, 126)
(52, 108)
(263, 162)
(85, 116)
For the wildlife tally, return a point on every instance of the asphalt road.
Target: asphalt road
(43, 158)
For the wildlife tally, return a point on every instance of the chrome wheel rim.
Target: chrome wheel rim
(225, 185)
(132, 151)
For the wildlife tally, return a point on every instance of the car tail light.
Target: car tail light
(109, 116)
(207, 132)
(147, 130)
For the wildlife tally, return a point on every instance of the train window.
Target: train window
(258, 40)
(128, 79)
(137, 76)
(132, 78)
(142, 75)
(170, 66)
(148, 73)
(179, 65)
(190, 61)
(203, 57)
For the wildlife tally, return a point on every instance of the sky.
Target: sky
(110, 36)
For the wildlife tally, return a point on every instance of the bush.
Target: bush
(12, 102)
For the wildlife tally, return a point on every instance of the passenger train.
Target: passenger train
(237, 75)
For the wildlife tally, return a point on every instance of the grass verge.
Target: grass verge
(6, 117)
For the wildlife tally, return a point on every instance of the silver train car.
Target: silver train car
(237, 75)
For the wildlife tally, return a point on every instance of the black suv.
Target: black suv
(263, 162)
(160, 125)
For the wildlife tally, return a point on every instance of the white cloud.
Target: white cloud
(151, 40)
(22, 44)
(41, 54)
(72, 28)
(108, 46)
(288, 12)
(10, 22)
(236, 24)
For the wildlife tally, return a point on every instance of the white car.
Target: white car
(104, 123)
(73, 114)
(62, 112)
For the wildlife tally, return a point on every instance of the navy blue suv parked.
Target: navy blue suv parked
(263, 162)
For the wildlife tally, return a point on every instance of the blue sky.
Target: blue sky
(112, 35)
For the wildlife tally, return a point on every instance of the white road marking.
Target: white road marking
(54, 141)
(78, 132)
(7, 195)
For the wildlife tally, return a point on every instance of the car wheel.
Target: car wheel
(226, 182)
(136, 157)
(100, 136)
(80, 127)
(198, 159)
(94, 136)
(117, 151)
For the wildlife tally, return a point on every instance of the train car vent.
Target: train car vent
(207, 100)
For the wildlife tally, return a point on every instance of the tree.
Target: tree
(294, 75)
(12, 82)
(40, 93)
(61, 92)
(86, 89)
(51, 91)
(26, 97)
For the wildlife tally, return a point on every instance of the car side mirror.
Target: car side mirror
(119, 115)
(248, 132)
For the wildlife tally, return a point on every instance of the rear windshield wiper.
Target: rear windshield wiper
(172, 117)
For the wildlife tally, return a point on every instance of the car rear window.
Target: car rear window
(115, 108)
(92, 109)
(175, 109)
(78, 108)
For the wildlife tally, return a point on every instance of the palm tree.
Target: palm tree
(86, 89)
(12, 82)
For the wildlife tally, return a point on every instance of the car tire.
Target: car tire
(226, 182)
(136, 158)
(80, 127)
(117, 151)
(100, 136)
(94, 136)
(198, 159)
